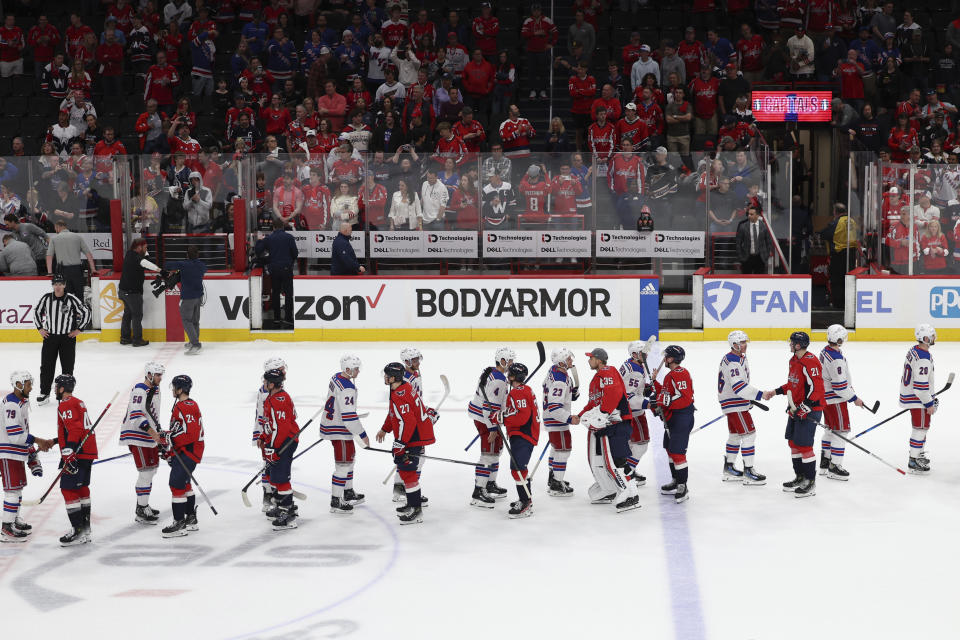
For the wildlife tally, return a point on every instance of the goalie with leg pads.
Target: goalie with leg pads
(558, 390)
(607, 393)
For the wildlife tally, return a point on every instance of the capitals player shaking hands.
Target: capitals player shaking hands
(269, 495)
(558, 394)
(636, 375)
(140, 434)
(492, 389)
(73, 426)
(411, 424)
(675, 402)
(411, 359)
(804, 388)
(339, 424)
(182, 447)
(279, 441)
(837, 392)
(916, 384)
(736, 397)
(522, 421)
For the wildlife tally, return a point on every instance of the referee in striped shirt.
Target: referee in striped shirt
(58, 317)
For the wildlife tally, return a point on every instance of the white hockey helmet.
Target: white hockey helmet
(736, 337)
(504, 353)
(409, 353)
(18, 378)
(637, 348)
(925, 333)
(836, 334)
(274, 362)
(154, 368)
(349, 361)
(560, 354)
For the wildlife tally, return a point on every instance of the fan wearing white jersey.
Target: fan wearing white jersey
(411, 359)
(736, 395)
(485, 409)
(915, 394)
(269, 494)
(636, 380)
(558, 392)
(339, 423)
(838, 391)
(140, 435)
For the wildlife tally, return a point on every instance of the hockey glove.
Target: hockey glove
(270, 454)
(802, 411)
(163, 440)
(68, 461)
(664, 399)
(575, 394)
(256, 439)
(649, 391)
(496, 418)
(167, 454)
(34, 463)
(398, 448)
(613, 418)
(433, 415)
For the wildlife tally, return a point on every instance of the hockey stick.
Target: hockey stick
(446, 392)
(866, 451)
(704, 426)
(303, 452)
(873, 409)
(425, 457)
(33, 503)
(539, 460)
(760, 405)
(243, 492)
(506, 445)
(122, 455)
(193, 481)
(903, 411)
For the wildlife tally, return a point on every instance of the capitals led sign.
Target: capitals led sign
(791, 106)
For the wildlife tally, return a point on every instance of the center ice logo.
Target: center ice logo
(711, 298)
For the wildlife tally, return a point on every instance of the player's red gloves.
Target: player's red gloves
(68, 459)
(270, 454)
(802, 411)
(433, 415)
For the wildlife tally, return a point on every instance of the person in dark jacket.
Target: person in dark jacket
(191, 271)
(135, 264)
(281, 250)
(753, 243)
(343, 260)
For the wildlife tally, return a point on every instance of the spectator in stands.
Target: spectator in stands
(150, 129)
(889, 50)
(935, 130)
(456, 54)
(485, 28)
(53, 77)
(388, 136)
(197, 202)
(889, 85)
(516, 134)
(705, 93)
(722, 206)
(281, 248)
(315, 213)
(582, 32)
(867, 130)
(535, 189)
(631, 127)
(679, 115)
(177, 14)
(11, 47)
(44, 40)
(31, 235)
(609, 102)
(626, 178)
(333, 106)
(802, 55)
(569, 62)
(731, 87)
(671, 62)
(160, 82)
(434, 197)
(407, 64)
(753, 243)
(15, 258)
(478, 82)
(202, 52)
(601, 141)
(282, 58)
(288, 200)
(496, 163)
(901, 138)
(499, 199)
(750, 53)
(539, 34)
(64, 207)
(583, 90)
(345, 206)
(692, 52)
(652, 116)
(868, 54)
(405, 207)
(470, 130)
(934, 248)
(645, 64)
(557, 144)
(720, 51)
(505, 78)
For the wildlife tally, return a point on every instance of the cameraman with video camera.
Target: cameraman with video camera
(191, 271)
(135, 264)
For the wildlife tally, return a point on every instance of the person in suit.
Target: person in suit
(753, 242)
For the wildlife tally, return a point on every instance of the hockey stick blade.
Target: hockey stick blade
(542, 351)
(446, 391)
(874, 408)
(903, 411)
(760, 405)
(648, 345)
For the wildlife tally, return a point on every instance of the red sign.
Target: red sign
(791, 106)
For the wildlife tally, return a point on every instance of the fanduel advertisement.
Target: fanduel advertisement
(732, 302)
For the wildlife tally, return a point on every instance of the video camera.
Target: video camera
(164, 281)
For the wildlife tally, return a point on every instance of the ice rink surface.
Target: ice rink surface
(875, 557)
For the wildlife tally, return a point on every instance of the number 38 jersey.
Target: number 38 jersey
(520, 414)
(733, 384)
(339, 420)
(917, 379)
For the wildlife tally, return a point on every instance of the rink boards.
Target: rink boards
(471, 308)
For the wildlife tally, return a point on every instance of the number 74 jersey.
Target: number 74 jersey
(917, 379)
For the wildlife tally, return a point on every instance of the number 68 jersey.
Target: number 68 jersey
(917, 379)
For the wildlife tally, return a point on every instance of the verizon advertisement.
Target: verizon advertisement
(455, 303)
(650, 244)
(318, 244)
(536, 244)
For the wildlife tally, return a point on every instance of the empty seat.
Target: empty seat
(23, 85)
(15, 106)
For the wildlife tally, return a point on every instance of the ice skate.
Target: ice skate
(790, 487)
(806, 489)
(836, 472)
(682, 494)
(192, 524)
(496, 492)
(521, 509)
(919, 466)
(286, 520)
(558, 487)
(824, 464)
(669, 489)
(353, 498)
(339, 507)
(731, 473)
(633, 502)
(73, 538)
(751, 477)
(10, 534)
(145, 515)
(175, 530)
(481, 500)
(411, 515)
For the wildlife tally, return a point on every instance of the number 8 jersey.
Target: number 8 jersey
(917, 379)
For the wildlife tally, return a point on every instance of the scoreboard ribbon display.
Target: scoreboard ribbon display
(791, 106)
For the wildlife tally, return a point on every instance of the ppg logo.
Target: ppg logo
(378, 237)
(945, 302)
(545, 237)
(491, 237)
(713, 291)
(433, 238)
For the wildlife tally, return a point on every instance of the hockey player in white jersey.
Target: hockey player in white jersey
(485, 410)
(339, 424)
(139, 434)
(558, 392)
(916, 384)
(411, 359)
(269, 495)
(837, 392)
(736, 395)
(637, 382)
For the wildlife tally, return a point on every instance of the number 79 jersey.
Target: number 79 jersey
(917, 379)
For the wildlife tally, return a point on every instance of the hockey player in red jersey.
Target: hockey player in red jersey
(804, 390)
(674, 401)
(610, 428)
(182, 447)
(73, 424)
(279, 428)
(522, 420)
(411, 424)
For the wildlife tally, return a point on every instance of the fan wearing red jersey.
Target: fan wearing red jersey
(279, 440)
(411, 424)
(522, 421)
(73, 427)
(182, 447)
(805, 392)
(609, 418)
(674, 402)
(535, 189)
(565, 189)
